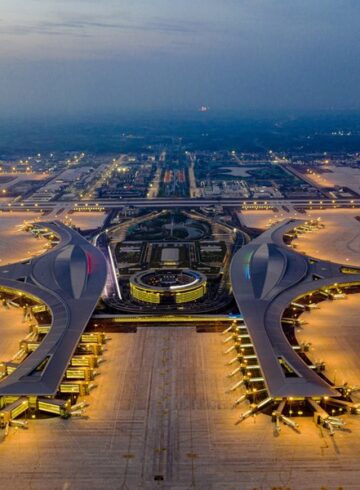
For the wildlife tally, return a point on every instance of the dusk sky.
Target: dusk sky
(72, 56)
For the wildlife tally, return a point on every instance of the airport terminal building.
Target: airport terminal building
(272, 285)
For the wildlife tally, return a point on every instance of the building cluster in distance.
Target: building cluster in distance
(65, 177)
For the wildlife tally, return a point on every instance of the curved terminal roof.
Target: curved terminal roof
(266, 276)
(69, 279)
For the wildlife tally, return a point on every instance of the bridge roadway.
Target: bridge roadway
(119, 318)
(174, 202)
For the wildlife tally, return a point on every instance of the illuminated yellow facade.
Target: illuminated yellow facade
(192, 290)
(144, 294)
(192, 295)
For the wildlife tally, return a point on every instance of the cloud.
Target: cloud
(84, 26)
